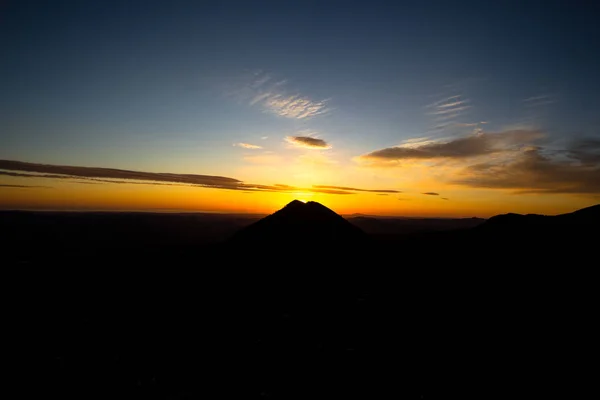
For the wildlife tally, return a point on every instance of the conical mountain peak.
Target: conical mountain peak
(299, 221)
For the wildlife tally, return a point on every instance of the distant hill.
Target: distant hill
(298, 223)
(560, 238)
(580, 218)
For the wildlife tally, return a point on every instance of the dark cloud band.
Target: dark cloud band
(308, 142)
(76, 174)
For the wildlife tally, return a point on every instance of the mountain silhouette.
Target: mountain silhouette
(583, 217)
(300, 223)
(294, 315)
(544, 237)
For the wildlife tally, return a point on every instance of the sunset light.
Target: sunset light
(361, 120)
(300, 199)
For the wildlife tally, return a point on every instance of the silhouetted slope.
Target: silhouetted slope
(399, 226)
(299, 222)
(568, 238)
(67, 232)
(580, 218)
(583, 216)
(442, 315)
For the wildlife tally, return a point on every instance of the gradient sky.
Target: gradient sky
(399, 108)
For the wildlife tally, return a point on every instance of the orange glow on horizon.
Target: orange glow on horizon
(64, 195)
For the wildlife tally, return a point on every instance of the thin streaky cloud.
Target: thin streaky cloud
(329, 191)
(473, 145)
(294, 106)
(442, 101)
(89, 181)
(533, 170)
(538, 101)
(261, 80)
(447, 118)
(452, 124)
(431, 194)
(356, 189)
(453, 104)
(536, 98)
(468, 124)
(259, 97)
(24, 186)
(274, 97)
(446, 113)
(109, 175)
(69, 172)
(248, 146)
(450, 110)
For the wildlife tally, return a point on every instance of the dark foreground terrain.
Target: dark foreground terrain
(304, 305)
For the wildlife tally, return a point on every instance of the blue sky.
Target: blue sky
(173, 85)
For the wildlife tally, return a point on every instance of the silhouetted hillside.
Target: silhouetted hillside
(580, 218)
(67, 233)
(299, 223)
(397, 226)
(495, 311)
(583, 217)
(564, 229)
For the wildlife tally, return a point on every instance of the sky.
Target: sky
(416, 108)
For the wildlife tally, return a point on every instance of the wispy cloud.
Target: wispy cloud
(538, 101)
(328, 191)
(248, 146)
(275, 97)
(431, 193)
(24, 186)
(442, 102)
(453, 105)
(356, 189)
(585, 151)
(67, 172)
(118, 176)
(308, 142)
(469, 124)
(523, 161)
(463, 147)
(294, 106)
(446, 110)
(533, 171)
(449, 115)
(451, 110)
(88, 180)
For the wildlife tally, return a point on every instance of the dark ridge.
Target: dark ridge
(130, 306)
(584, 216)
(540, 239)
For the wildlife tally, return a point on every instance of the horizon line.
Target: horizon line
(177, 211)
